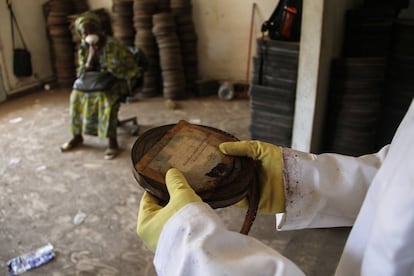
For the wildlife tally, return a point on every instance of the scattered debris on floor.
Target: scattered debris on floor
(171, 104)
(16, 120)
(79, 218)
(36, 258)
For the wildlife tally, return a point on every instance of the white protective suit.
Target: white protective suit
(374, 193)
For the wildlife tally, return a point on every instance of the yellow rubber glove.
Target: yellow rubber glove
(270, 174)
(152, 217)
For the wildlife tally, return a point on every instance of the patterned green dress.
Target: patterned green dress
(95, 113)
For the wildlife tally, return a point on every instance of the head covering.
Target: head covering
(87, 17)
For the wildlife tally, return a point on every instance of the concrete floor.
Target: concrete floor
(87, 206)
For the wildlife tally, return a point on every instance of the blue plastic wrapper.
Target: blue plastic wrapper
(36, 258)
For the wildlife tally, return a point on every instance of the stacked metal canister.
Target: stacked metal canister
(182, 11)
(273, 91)
(58, 18)
(145, 40)
(56, 13)
(164, 29)
(122, 27)
(399, 85)
(357, 83)
(80, 6)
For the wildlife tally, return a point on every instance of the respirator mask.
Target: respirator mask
(92, 39)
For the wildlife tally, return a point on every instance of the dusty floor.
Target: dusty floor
(87, 206)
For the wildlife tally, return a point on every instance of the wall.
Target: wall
(32, 24)
(224, 28)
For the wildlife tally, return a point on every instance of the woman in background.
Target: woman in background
(96, 113)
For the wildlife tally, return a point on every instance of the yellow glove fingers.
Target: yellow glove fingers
(252, 149)
(179, 189)
(148, 204)
(147, 229)
(148, 207)
(270, 171)
(237, 149)
(152, 217)
(175, 181)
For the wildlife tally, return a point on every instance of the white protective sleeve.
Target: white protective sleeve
(325, 190)
(381, 241)
(195, 242)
